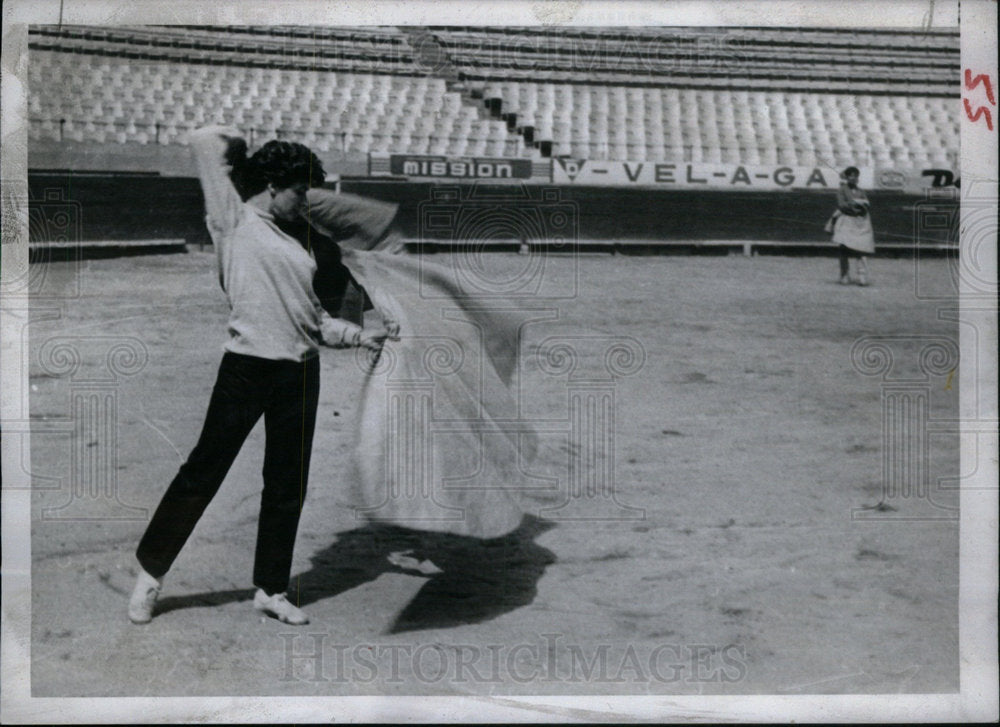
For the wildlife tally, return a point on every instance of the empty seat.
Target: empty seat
(598, 117)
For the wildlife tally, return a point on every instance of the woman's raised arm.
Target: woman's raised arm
(216, 149)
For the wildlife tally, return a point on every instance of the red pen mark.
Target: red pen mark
(981, 111)
(970, 84)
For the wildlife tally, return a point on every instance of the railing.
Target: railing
(351, 34)
(669, 53)
(815, 36)
(715, 82)
(394, 60)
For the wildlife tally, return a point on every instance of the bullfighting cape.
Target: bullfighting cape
(854, 231)
(439, 445)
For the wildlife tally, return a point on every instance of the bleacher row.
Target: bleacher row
(362, 50)
(933, 40)
(762, 59)
(759, 95)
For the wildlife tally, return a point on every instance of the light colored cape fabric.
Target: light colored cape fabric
(439, 446)
(854, 232)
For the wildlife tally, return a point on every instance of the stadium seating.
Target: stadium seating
(759, 95)
(749, 95)
(732, 125)
(110, 98)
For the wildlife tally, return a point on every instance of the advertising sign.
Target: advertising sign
(697, 175)
(441, 167)
(914, 180)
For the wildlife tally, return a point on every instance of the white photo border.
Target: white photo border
(977, 700)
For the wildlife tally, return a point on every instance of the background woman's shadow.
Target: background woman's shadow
(479, 580)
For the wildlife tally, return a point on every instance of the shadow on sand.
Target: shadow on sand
(480, 579)
(201, 600)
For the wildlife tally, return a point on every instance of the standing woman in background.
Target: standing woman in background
(851, 226)
(270, 367)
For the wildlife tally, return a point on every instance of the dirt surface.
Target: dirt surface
(739, 545)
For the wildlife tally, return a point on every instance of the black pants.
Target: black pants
(286, 393)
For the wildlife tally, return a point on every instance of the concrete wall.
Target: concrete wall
(144, 206)
(169, 160)
(616, 213)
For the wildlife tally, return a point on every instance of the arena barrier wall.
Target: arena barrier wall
(68, 206)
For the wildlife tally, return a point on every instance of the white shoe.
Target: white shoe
(140, 605)
(278, 606)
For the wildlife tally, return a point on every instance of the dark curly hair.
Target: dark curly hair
(281, 163)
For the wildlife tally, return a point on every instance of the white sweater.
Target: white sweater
(267, 275)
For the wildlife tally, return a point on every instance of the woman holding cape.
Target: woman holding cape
(279, 269)
(270, 368)
(851, 225)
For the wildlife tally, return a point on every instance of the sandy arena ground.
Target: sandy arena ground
(736, 556)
